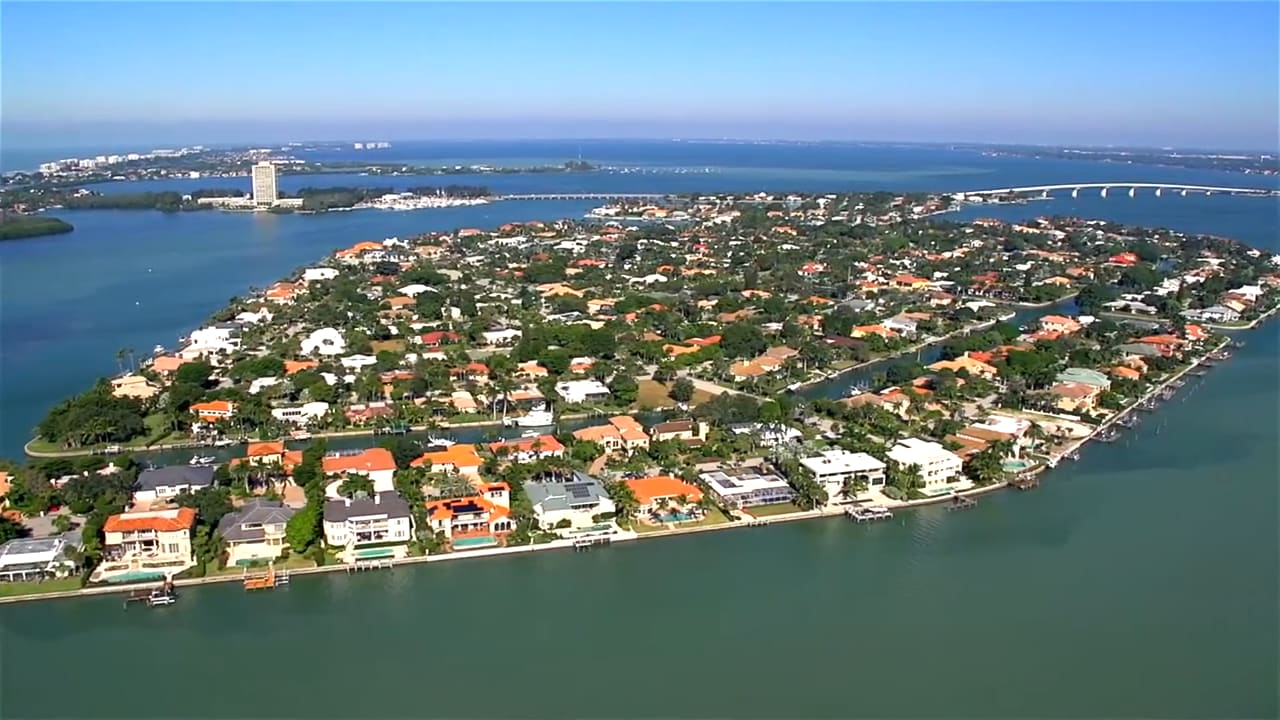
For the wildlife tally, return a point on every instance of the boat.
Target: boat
(202, 460)
(530, 434)
(867, 513)
(223, 442)
(433, 441)
(300, 435)
(163, 595)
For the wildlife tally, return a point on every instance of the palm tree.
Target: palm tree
(853, 487)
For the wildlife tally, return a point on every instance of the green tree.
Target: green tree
(682, 390)
(303, 528)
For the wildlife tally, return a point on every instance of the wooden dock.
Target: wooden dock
(360, 565)
(1025, 482)
(960, 502)
(271, 579)
(585, 544)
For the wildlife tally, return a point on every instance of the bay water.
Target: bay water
(1139, 581)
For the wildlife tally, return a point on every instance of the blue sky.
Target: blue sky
(1158, 74)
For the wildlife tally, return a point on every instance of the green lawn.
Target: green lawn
(14, 589)
(653, 394)
(714, 517)
(774, 509)
(468, 418)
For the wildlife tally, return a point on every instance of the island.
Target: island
(14, 225)
(713, 362)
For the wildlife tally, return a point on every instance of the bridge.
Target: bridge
(1132, 187)
(585, 196)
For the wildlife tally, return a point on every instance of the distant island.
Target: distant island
(1265, 164)
(14, 226)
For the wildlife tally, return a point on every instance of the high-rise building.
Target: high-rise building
(264, 183)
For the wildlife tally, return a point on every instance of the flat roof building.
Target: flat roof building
(743, 487)
(264, 183)
(832, 468)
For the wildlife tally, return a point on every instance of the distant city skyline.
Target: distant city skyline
(1148, 74)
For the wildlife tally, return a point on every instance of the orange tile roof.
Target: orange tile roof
(371, 460)
(544, 443)
(262, 449)
(159, 521)
(443, 509)
(293, 366)
(649, 489)
(457, 456)
(168, 363)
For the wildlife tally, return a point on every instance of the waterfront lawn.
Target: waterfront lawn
(33, 587)
(714, 516)
(774, 509)
(463, 418)
(653, 394)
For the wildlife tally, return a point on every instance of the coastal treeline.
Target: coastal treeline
(14, 226)
(95, 416)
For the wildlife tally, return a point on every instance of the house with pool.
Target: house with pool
(473, 521)
(572, 504)
(377, 527)
(150, 545)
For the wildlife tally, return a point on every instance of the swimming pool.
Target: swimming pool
(375, 553)
(473, 542)
(1015, 465)
(671, 517)
(135, 576)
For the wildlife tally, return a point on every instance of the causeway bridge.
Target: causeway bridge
(585, 196)
(1131, 187)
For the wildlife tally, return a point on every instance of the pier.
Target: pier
(960, 502)
(362, 565)
(868, 513)
(270, 580)
(585, 544)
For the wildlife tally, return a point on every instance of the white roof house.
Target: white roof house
(580, 391)
(325, 341)
(936, 464)
(414, 290)
(746, 488)
(32, 558)
(320, 273)
(355, 362)
(301, 414)
(832, 468)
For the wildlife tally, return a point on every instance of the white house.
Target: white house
(832, 468)
(36, 558)
(746, 487)
(319, 273)
(937, 465)
(253, 318)
(210, 341)
(301, 414)
(355, 362)
(262, 383)
(383, 520)
(576, 392)
(567, 505)
(325, 341)
(414, 290)
(504, 336)
(167, 482)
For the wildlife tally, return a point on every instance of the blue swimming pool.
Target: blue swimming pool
(1015, 465)
(671, 517)
(474, 542)
(136, 576)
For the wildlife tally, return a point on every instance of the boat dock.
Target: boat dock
(585, 544)
(360, 565)
(163, 595)
(271, 579)
(868, 513)
(960, 502)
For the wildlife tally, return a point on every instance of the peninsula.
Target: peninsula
(731, 360)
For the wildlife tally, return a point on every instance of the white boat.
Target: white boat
(535, 418)
(530, 434)
(223, 442)
(434, 441)
(300, 435)
(202, 460)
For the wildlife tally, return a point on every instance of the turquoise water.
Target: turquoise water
(476, 542)
(374, 553)
(674, 517)
(1091, 596)
(1015, 465)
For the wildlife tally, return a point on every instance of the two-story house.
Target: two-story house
(161, 537)
(255, 532)
(833, 468)
(565, 505)
(368, 528)
(689, 431)
(168, 482)
(473, 521)
(937, 465)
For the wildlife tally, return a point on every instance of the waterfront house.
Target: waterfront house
(38, 558)
(213, 410)
(522, 450)
(768, 434)
(378, 464)
(255, 532)
(747, 487)
(133, 386)
(1059, 324)
(303, 414)
(474, 520)
(159, 539)
(368, 528)
(1075, 397)
(967, 363)
(165, 483)
(901, 324)
(167, 365)
(937, 466)
(832, 468)
(577, 392)
(688, 431)
(1139, 350)
(264, 453)
(1214, 314)
(1084, 375)
(658, 490)
(621, 433)
(461, 458)
(562, 505)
